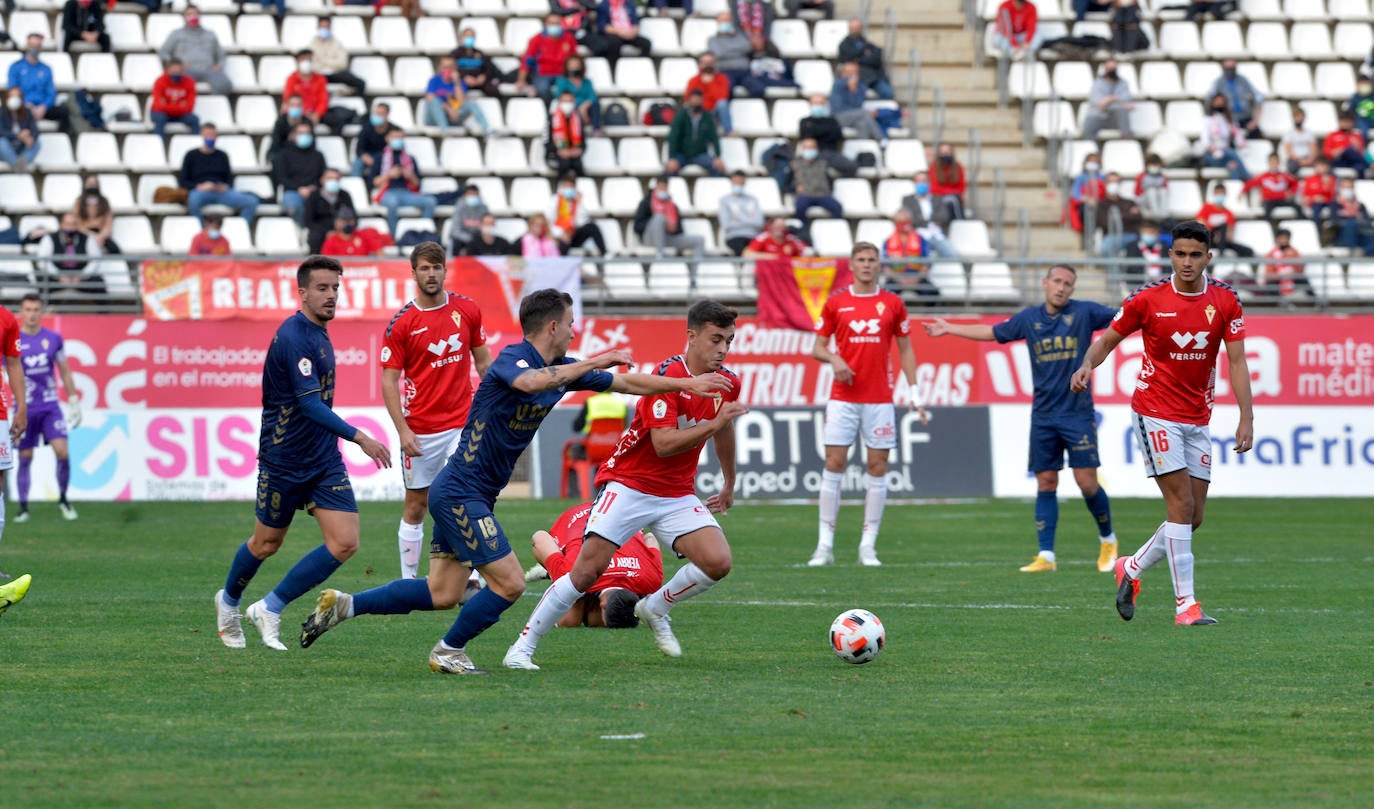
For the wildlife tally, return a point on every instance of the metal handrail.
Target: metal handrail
(975, 162)
(889, 38)
(999, 205)
(913, 75)
(1023, 232)
(938, 113)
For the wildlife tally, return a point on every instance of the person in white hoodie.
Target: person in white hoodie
(741, 216)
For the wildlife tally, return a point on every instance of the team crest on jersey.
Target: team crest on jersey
(881, 307)
(386, 353)
(44, 341)
(660, 409)
(1211, 312)
(521, 364)
(1068, 320)
(457, 320)
(304, 366)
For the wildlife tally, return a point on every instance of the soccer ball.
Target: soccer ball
(857, 636)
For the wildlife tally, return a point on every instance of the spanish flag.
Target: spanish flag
(792, 291)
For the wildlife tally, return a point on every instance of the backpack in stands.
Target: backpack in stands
(615, 114)
(659, 114)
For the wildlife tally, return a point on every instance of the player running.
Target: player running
(436, 340)
(864, 320)
(1058, 333)
(44, 357)
(636, 570)
(522, 385)
(299, 463)
(1183, 320)
(650, 481)
(19, 420)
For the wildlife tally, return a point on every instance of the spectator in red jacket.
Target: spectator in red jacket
(1319, 191)
(776, 241)
(947, 181)
(545, 57)
(174, 96)
(1016, 31)
(715, 91)
(1219, 219)
(312, 87)
(347, 240)
(210, 241)
(1284, 274)
(1277, 188)
(1345, 147)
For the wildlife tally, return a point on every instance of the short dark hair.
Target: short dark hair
(1192, 229)
(1283, 232)
(316, 263)
(1068, 267)
(619, 609)
(712, 312)
(737, 173)
(31, 296)
(541, 306)
(430, 251)
(214, 218)
(305, 52)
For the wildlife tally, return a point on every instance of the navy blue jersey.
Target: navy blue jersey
(1057, 344)
(300, 363)
(502, 422)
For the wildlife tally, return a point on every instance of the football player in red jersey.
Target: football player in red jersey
(863, 321)
(435, 340)
(1183, 320)
(650, 482)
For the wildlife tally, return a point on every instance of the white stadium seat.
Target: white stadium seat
(1160, 80)
(1311, 40)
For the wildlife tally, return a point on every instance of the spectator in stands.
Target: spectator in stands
(1217, 8)
(693, 139)
(199, 50)
(475, 68)
(1087, 191)
(372, 142)
(658, 223)
(1299, 146)
(208, 180)
(659, 6)
(1361, 105)
(1345, 147)
(1149, 249)
(1242, 99)
(767, 68)
(1016, 32)
(95, 214)
(410, 9)
(83, 21)
(467, 218)
(1118, 220)
(753, 18)
(488, 243)
(1353, 227)
(322, 208)
(617, 25)
(173, 99)
(347, 239)
(310, 87)
(1284, 274)
(906, 243)
(544, 58)
(577, 15)
(70, 272)
(398, 182)
(1222, 139)
(869, 57)
(731, 48)
(35, 82)
(210, 240)
(741, 216)
(19, 144)
(331, 58)
(284, 129)
(822, 127)
(446, 100)
(947, 181)
(811, 179)
(1109, 103)
(1278, 188)
(566, 138)
(776, 241)
(1222, 222)
(574, 80)
(926, 216)
(1152, 190)
(1318, 193)
(537, 243)
(296, 169)
(1127, 36)
(571, 225)
(825, 7)
(847, 96)
(715, 91)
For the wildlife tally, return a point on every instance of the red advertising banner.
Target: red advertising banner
(792, 291)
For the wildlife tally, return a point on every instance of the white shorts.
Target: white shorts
(619, 512)
(1168, 446)
(6, 449)
(420, 472)
(875, 423)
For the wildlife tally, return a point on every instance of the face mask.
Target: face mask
(488, 231)
(1220, 108)
(566, 107)
(576, 74)
(305, 67)
(1297, 123)
(818, 111)
(1219, 200)
(175, 77)
(1149, 238)
(727, 28)
(1091, 166)
(809, 154)
(397, 144)
(375, 119)
(554, 31)
(1347, 193)
(946, 158)
(1229, 72)
(212, 233)
(1153, 169)
(469, 42)
(567, 193)
(209, 143)
(922, 189)
(693, 109)
(663, 195)
(193, 21)
(332, 186)
(32, 53)
(1283, 246)
(737, 189)
(1110, 75)
(708, 69)
(1365, 89)
(324, 33)
(348, 229)
(293, 112)
(472, 200)
(305, 141)
(15, 102)
(1113, 189)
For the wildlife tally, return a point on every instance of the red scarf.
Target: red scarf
(903, 244)
(565, 215)
(573, 22)
(750, 16)
(567, 129)
(620, 18)
(668, 209)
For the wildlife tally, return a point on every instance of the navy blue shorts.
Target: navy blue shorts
(1049, 442)
(283, 492)
(466, 530)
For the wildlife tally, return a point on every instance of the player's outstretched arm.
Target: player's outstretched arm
(649, 384)
(552, 377)
(391, 397)
(1240, 384)
(939, 327)
(20, 420)
(1093, 357)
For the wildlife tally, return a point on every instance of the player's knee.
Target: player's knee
(716, 566)
(877, 469)
(509, 590)
(1197, 521)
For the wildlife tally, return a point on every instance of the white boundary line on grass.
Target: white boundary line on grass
(969, 606)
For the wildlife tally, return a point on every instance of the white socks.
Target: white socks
(875, 499)
(410, 537)
(1178, 541)
(557, 600)
(688, 582)
(830, 509)
(1152, 551)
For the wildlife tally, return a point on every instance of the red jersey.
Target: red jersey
(9, 347)
(1214, 216)
(789, 247)
(1182, 335)
(863, 327)
(1274, 186)
(433, 348)
(364, 242)
(1340, 140)
(636, 567)
(1319, 188)
(313, 90)
(636, 464)
(174, 98)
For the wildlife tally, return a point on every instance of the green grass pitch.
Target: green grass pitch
(997, 688)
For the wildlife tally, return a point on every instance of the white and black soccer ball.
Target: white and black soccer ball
(857, 636)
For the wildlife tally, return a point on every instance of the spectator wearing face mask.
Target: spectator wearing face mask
(847, 104)
(398, 183)
(35, 82)
(822, 127)
(347, 239)
(446, 100)
(467, 218)
(1118, 220)
(715, 91)
(322, 208)
(617, 25)
(1353, 227)
(905, 242)
(1016, 31)
(693, 139)
(284, 129)
(767, 68)
(775, 241)
(475, 68)
(869, 57)
(574, 80)
(1345, 147)
(741, 216)
(210, 240)
(731, 49)
(372, 142)
(208, 179)
(537, 242)
(1278, 188)
(488, 243)
(19, 144)
(658, 223)
(1284, 275)
(548, 51)
(296, 170)
(566, 139)
(1222, 139)
(199, 50)
(569, 223)
(811, 178)
(925, 216)
(310, 87)
(172, 100)
(1109, 103)
(1151, 254)
(1087, 191)
(1241, 99)
(69, 272)
(83, 21)
(1222, 222)
(1319, 191)
(332, 58)
(948, 183)
(1152, 190)
(1299, 146)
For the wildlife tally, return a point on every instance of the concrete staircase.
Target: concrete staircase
(936, 29)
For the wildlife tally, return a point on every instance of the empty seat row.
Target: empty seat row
(1276, 10)
(1162, 81)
